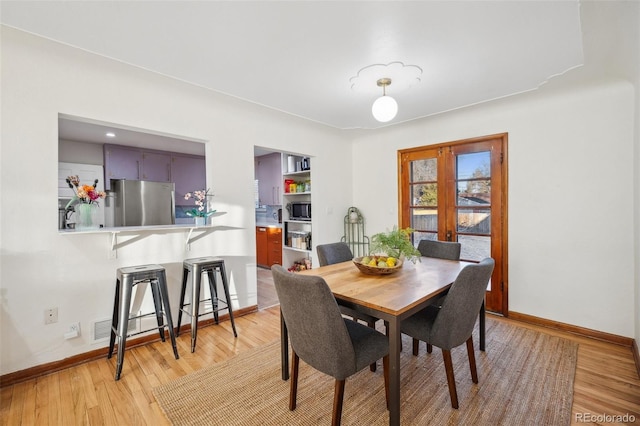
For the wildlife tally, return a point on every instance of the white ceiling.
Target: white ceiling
(79, 129)
(301, 57)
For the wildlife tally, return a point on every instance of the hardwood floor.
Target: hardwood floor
(267, 296)
(88, 394)
(606, 381)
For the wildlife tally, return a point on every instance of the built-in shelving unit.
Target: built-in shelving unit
(297, 234)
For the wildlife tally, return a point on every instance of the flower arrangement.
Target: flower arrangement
(395, 243)
(199, 198)
(84, 194)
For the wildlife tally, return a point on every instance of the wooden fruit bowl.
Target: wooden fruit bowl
(374, 270)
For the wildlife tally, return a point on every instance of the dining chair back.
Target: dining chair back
(331, 253)
(449, 250)
(451, 324)
(457, 317)
(321, 337)
(328, 254)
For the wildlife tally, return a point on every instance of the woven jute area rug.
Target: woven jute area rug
(525, 377)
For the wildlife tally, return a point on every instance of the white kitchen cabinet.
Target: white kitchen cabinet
(87, 173)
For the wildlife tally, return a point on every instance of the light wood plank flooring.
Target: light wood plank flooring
(267, 296)
(606, 380)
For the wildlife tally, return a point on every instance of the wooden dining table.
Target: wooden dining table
(391, 298)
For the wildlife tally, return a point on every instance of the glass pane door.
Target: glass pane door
(473, 204)
(424, 198)
(456, 192)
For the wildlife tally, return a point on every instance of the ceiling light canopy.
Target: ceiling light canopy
(385, 107)
(404, 77)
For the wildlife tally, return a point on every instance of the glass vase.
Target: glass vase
(86, 216)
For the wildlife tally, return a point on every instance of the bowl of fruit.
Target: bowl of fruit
(378, 265)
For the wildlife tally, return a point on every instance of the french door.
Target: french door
(457, 191)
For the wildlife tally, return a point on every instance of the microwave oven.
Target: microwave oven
(299, 211)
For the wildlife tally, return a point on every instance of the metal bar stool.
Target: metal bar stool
(211, 265)
(126, 279)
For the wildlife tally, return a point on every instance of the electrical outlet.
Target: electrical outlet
(50, 315)
(74, 331)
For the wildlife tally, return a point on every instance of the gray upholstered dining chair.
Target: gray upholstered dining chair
(328, 254)
(451, 324)
(322, 337)
(441, 249)
(449, 250)
(331, 253)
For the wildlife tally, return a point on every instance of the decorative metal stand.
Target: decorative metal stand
(354, 233)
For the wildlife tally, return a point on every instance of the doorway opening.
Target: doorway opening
(268, 210)
(282, 194)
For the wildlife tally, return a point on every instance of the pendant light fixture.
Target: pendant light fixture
(385, 107)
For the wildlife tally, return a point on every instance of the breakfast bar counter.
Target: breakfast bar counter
(193, 232)
(150, 228)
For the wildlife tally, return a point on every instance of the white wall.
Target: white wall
(40, 268)
(571, 196)
(636, 215)
(568, 152)
(633, 16)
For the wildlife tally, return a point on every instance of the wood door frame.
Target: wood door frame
(503, 138)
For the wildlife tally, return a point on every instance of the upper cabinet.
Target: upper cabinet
(121, 162)
(186, 171)
(156, 166)
(269, 175)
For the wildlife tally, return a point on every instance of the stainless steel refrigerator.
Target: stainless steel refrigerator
(142, 203)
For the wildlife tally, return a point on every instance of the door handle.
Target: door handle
(449, 235)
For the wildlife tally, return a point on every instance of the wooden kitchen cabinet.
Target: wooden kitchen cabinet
(268, 246)
(262, 246)
(274, 243)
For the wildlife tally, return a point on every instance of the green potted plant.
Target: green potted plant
(396, 243)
